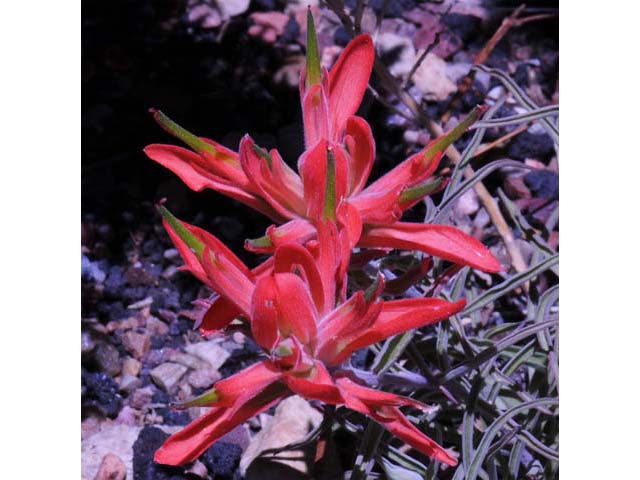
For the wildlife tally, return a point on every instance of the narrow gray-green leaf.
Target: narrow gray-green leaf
(494, 428)
(538, 113)
(510, 284)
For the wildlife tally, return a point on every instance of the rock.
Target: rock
(131, 366)
(397, 52)
(137, 344)
(210, 351)
(157, 356)
(293, 420)
(90, 426)
(464, 26)
(87, 342)
(221, 459)
(467, 204)
(127, 416)
(238, 436)
(171, 254)
(108, 359)
(167, 375)
(431, 78)
(203, 378)
(169, 272)
(268, 25)
(128, 323)
(141, 397)
(155, 326)
(99, 390)
(457, 71)
(190, 361)
(530, 145)
(238, 337)
(198, 469)
(112, 439)
(128, 383)
(91, 270)
(145, 302)
(145, 446)
(515, 187)
(543, 183)
(137, 276)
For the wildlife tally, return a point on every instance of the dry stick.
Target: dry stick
(485, 147)
(517, 260)
(509, 22)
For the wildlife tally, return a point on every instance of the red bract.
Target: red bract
(333, 171)
(290, 308)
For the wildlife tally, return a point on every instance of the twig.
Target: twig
(517, 260)
(507, 23)
(488, 146)
(423, 55)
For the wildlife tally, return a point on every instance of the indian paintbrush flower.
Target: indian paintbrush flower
(296, 305)
(291, 311)
(340, 151)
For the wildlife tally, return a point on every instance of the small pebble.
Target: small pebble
(167, 375)
(107, 358)
(111, 468)
(137, 344)
(131, 366)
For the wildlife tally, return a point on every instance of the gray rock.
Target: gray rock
(432, 80)
(203, 378)
(293, 420)
(209, 351)
(190, 361)
(141, 397)
(116, 439)
(128, 383)
(167, 375)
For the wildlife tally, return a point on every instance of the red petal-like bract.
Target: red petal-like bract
(398, 316)
(365, 401)
(188, 166)
(191, 442)
(274, 179)
(438, 240)
(348, 79)
(362, 151)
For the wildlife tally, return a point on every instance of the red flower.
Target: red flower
(333, 171)
(290, 308)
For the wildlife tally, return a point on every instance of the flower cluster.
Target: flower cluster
(296, 305)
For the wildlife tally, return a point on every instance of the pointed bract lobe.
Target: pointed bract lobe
(348, 80)
(441, 241)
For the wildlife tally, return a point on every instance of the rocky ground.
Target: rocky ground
(139, 349)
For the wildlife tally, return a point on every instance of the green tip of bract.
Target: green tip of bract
(261, 152)
(183, 232)
(421, 190)
(283, 350)
(455, 133)
(261, 242)
(177, 131)
(329, 211)
(313, 57)
(206, 399)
